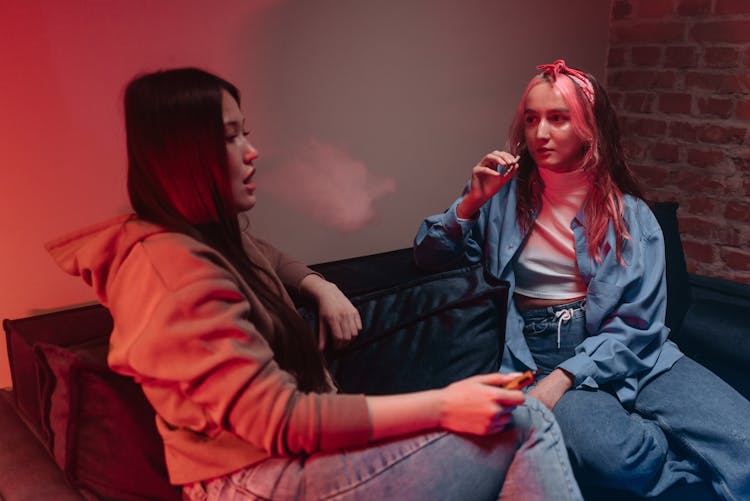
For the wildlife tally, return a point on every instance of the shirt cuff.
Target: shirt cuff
(457, 225)
(582, 368)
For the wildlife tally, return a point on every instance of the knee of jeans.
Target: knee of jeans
(533, 415)
(633, 460)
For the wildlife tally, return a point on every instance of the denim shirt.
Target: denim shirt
(626, 344)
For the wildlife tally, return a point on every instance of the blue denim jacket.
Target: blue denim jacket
(625, 305)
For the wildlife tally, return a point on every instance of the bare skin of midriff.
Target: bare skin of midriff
(524, 303)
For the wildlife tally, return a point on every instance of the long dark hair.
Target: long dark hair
(178, 178)
(597, 125)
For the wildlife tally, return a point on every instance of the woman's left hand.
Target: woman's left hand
(551, 389)
(337, 316)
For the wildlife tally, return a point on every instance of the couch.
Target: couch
(72, 429)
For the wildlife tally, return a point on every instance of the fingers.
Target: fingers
(501, 421)
(342, 327)
(322, 334)
(500, 158)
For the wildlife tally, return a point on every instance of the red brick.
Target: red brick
(639, 102)
(704, 158)
(655, 8)
(742, 112)
(698, 251)
(741, 160)
(663, 152)
(615, 99)
(616, 57)
(693, 7)
(717, 134)
(650, 175)
(719, 83)
(680, 56)
(732, 7)
(707, 230)
(647, 127)
(701, 206)
(634, 150)
(662, 32)
(747, 57)
(645, 56)
(746, 187)
(642, 80)
(674, 102)
(716, 107)
(682, 130)
(691, 265)
(743, 278)
(621, 9)
(736, 259)
(690, 183)
(738, 211)
(721, 31)
(721, 57)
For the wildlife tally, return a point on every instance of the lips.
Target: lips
(249, 177)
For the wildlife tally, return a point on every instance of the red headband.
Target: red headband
(579, 77)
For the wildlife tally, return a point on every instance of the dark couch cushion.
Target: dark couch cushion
(63, 328)
(678, 280)
(424, 333)
(103, 432)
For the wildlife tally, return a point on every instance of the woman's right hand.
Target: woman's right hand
(479, 405)
(486, 181)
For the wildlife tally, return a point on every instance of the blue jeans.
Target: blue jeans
(686, 426)
(526, 462)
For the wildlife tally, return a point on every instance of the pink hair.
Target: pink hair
(592, 119)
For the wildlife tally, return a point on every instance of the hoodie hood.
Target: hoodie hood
(96, 252)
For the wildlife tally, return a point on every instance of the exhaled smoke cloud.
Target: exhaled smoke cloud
(324, 183)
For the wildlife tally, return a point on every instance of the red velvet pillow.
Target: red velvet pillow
(102, 427)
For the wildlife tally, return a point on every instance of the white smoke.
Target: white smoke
(326, 184)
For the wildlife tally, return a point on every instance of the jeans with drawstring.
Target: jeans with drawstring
(686, 425)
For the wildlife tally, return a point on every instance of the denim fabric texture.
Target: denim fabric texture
(529, 454)
(666, 439)
(635, 348)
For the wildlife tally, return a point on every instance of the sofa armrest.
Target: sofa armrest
(715, 331)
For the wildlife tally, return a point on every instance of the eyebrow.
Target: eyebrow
(554, 110)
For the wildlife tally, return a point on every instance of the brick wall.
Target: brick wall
(679, 74)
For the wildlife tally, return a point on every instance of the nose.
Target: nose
(542, 130)
(250, 153)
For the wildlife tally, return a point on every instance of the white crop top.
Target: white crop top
(546, 267)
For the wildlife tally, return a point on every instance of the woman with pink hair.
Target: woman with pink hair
(559, 216)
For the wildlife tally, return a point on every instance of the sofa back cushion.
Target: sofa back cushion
(678, 280)
(424, 333)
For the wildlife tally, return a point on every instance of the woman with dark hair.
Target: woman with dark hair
(243, 400)
(560, 217)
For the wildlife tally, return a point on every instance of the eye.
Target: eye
(529, 119)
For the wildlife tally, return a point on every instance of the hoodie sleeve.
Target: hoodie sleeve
(290, 271)
(188, 334)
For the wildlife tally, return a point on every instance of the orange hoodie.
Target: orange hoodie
(187, 329)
